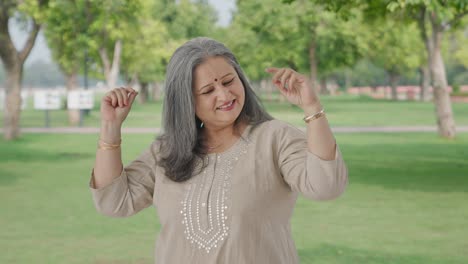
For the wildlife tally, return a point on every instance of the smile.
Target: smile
(228, 106)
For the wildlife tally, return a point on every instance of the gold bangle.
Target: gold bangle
(314, 116)
(106, 146)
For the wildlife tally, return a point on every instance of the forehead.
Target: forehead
(212, 68)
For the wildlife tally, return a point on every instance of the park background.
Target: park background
(392, 77)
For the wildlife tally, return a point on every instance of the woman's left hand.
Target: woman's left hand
(296, 88)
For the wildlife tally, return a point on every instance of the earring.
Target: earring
(201, 125)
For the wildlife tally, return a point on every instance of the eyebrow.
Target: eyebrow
(212, 83)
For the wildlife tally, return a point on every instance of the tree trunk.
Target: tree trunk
(12, 112)
(111, 71)
(313, 66)
(13, 61)
(443, 105)
(393, 79)
(144, 92)
(425, 83)
(72, 84)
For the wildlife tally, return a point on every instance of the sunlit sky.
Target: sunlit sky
(42, 52)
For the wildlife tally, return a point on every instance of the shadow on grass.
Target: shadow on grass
(418, 166)
(326, 253)
(15, 155)
(27, 155)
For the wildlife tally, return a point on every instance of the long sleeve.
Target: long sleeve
(306, 173)
(132, 191)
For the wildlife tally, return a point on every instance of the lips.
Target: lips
(227, 106)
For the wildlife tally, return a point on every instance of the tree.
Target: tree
(395, 47)
(301, 35)
(108, 25)
(32, 14)
(65, 31)
(435, 18)
(164, 25)
(145, 60)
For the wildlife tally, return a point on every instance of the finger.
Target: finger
(123, 91)
(301, 78)
(120, 97)
(281, 88)
(291, 82)
(129, 90)
(107, 98)
(286, 76)
(113, 98)
(277, 76)
(272, 69)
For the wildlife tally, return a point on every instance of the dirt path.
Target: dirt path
(147, 130)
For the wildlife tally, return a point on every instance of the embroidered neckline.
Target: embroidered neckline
(205, 223)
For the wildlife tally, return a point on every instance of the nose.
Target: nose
(223, 93)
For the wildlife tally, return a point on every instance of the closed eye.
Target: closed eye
(228, 82)
(207, 92)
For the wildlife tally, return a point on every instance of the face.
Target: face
(219, 93)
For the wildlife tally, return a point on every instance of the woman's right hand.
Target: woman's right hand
(116, 104)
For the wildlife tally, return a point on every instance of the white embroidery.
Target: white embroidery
(217, 178)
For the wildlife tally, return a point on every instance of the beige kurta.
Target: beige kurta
(237, 210)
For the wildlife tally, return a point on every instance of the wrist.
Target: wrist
(312, 109)
(110, 132)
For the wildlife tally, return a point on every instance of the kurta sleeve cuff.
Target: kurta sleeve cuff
(112, 199)
(326, 179)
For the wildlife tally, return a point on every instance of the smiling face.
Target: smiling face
(219, 93)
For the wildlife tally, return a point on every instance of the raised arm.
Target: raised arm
(298, 91)
(115, 106)
(320, 172)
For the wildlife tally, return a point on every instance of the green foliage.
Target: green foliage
(187, 19)
(149, 47)
(66, 36)
(35, 9)
(396, 47)
(268, 33)
(459, 39)
(446, 12)
(84, 26)
(163, 26)
(365, 73)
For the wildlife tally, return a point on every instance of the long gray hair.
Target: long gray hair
(182, 141)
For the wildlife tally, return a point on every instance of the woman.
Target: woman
(224, 176)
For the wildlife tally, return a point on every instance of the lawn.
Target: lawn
(406, 203)
(345, 110)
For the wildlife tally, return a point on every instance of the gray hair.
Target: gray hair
(182, 141)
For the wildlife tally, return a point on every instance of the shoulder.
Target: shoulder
(151, 152)
(276, 129)
(277, 126)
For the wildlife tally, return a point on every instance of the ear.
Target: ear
(198, 122)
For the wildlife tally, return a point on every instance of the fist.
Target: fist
(116, 104)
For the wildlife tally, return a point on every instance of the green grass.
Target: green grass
(342, 110)
(406, 203)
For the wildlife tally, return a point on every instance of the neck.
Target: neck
(221, 138)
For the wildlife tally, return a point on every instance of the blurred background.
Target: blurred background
(392, 76)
